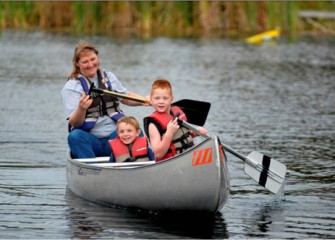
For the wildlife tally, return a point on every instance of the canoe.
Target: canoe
(194, 181)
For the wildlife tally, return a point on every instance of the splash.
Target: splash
(279, 196)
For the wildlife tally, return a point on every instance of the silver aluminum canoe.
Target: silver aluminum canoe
(196, 180)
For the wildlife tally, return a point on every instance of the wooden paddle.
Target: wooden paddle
(196, 111)
(268, 172)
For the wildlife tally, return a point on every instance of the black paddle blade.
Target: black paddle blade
(196, 111)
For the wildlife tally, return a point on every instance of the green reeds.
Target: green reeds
(157, 18)
(291, 17)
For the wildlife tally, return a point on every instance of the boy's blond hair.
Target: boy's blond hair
(163, 84)
(128, 120)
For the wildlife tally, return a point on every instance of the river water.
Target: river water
(277, 98)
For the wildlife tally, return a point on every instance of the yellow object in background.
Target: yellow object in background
(258, 38)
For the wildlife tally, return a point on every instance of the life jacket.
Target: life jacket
(102, 104)
(136, 152)
(182, 138)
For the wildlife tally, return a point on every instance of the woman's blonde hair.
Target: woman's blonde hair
(80, 49)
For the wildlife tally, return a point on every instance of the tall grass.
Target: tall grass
(152, 18)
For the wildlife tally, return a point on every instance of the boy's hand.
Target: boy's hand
(173, 126)
(202, 130)
(147, 101)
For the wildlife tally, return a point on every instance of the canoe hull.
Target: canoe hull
(196, 180)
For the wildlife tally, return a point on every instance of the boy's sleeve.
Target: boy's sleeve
(112, 158)
(151, 154)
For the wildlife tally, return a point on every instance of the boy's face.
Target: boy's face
(127, 133)
(161, 100)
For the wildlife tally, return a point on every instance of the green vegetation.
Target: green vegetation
(162, 18)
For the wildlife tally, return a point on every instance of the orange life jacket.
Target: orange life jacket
(136, 152)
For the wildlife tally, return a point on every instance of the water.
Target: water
(277, 98)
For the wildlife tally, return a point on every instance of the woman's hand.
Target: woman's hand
(78, 117)
(85, 101)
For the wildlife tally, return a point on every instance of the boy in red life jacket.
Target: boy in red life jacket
(129, 146)
(166, 136)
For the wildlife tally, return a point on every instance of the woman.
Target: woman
(92, 118)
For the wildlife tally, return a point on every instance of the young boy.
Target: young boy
(166, 137)
(129, 146)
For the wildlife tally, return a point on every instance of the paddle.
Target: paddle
(265, 170)
(196, 111)
(268, 172)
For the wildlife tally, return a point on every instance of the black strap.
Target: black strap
(264, 174)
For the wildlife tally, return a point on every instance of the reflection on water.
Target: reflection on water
(87, 219)
(277, 99)
(266, 218)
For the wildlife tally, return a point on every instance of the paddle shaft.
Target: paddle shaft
(115, 94)
(189, 126)
(196, 111)
(229, 149)
(239, 155)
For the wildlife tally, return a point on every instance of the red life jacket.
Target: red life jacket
(181, 140)
(136, 152)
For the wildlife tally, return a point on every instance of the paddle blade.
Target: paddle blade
(196, 111)
(268, 172)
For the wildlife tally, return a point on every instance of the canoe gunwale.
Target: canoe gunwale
(85, 162)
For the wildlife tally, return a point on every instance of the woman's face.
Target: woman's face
(88, 64)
